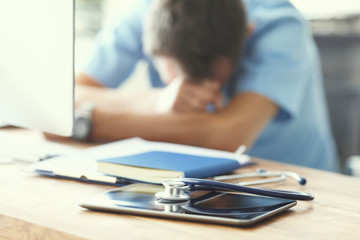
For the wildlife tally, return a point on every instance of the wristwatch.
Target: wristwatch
(83, 122)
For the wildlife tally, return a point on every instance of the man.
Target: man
(225, 73)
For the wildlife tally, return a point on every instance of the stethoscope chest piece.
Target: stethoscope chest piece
(174, 191)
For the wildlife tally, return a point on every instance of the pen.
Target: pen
(7, 157)
(47, 156)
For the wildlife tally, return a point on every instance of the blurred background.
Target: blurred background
(336, 29)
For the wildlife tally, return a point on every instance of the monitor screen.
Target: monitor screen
(37, 64)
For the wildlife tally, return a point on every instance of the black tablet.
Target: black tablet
(214, 207)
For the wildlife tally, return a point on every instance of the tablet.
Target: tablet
(212, 207)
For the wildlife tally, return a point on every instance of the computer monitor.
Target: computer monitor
(37, 64)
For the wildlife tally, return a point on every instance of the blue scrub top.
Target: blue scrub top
(280, 62)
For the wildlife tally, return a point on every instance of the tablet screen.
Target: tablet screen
(233, 208)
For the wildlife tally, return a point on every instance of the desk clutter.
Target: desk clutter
(136, 159)
(139, 167)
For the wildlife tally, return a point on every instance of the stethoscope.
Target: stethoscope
(177, 190)
(268, 177)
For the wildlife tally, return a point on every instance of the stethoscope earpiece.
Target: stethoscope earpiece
(302, 181)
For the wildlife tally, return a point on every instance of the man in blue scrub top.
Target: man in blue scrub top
(219, 79)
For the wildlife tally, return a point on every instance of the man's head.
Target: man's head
(204, 38)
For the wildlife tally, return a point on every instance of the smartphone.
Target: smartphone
(212, 207)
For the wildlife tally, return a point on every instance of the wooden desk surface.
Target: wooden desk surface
(34, 207)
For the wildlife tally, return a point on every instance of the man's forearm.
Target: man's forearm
(117, 100)
(192, 129)
(240, 122)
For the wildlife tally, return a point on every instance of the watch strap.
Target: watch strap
(83, 121)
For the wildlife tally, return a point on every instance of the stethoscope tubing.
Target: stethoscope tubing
(194, 184)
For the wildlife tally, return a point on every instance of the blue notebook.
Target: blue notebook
(158, 166)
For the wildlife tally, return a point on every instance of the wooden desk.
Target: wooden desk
(34, 207)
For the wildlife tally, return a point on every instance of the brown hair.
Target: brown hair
(196, 32)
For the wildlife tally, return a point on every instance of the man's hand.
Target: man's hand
(183, 96)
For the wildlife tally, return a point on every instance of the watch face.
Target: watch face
(82, 128)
